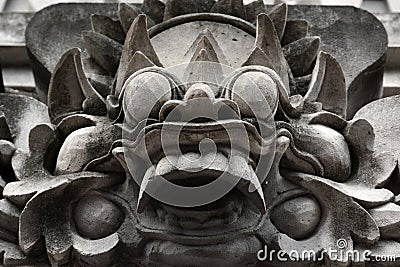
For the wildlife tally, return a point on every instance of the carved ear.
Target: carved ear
(70, 92)
(328, 85)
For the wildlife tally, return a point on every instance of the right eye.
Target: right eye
(256, 94)
(144, 94)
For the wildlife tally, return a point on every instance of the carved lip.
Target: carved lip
(150, 141)
(232, 216)
(169, 253)
(238, 213)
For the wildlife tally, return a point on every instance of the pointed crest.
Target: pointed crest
(328, 85)
(137, 39)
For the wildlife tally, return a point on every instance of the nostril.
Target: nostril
(196, 94)
(225, 113)
(199, 90)
(170, 112)
(174, 115)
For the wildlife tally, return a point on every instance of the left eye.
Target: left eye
(144, 95)
(297, 217)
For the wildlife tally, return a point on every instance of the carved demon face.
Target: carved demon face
(243, 146)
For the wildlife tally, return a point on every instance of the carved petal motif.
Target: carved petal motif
(343, 218)
(37, 219)
(108, 27)
(137, 39)
(103, 49)
(328, 85)
(383, 117)
(174, 8)
(70, 92)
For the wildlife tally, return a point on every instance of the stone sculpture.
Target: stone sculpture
(81, 186)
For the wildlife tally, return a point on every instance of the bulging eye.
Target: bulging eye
(97, 217)
(297, 217)
(144, 94)
(256, 94)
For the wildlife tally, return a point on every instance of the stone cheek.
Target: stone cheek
(97, 217)
(327, 145)
(297, 217)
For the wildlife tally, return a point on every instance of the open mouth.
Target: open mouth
(235, 214)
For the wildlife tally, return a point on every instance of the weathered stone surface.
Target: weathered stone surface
(383, 117)
(341, 210)
(30, 113)
(97, 217)
(253, 9)
(206, 40)
(80, 143)
(107, 26)
(297, 217)
(104, 50)
(388, 221)
(360, 52)
(139, 61)
(174, 8)
(327, 85)
(258, 58)
(137, 39)
(268, 41)
(155, 9)
(361, 75)
(70, 91)
(278, 16)
(127, 14)
(230, 7)
(301, 54)
(235, 41)
(295, 30)
(247, 96)
(200, 164)
(40, 34)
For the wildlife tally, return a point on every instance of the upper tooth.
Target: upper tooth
(249, 184)
(237, 166)
(149, 179)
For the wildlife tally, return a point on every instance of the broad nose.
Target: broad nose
(199, 90)
(199, 105)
